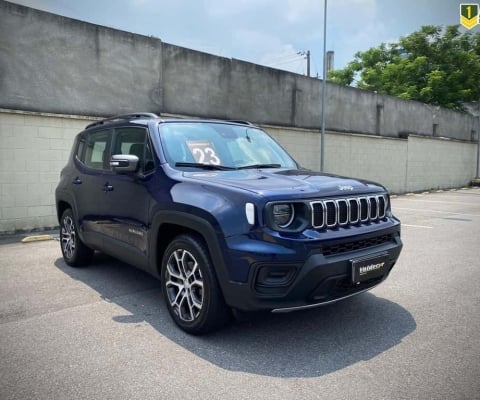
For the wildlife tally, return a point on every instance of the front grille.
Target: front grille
(333, 213)
(331, 250)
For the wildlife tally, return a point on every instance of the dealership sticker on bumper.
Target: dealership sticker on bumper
(368, 268)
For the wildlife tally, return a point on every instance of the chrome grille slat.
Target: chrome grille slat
(364, 209)
(331, 213)
(354, 207)
(382, 203)
(342, 211)
(373, 201)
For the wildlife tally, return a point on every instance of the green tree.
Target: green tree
(433, 65)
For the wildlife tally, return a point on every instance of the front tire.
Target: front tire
(190, 287)
(74, 251)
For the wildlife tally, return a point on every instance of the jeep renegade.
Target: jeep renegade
(223, 216)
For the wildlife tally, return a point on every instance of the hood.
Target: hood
(292, 183)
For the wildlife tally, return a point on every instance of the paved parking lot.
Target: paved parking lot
(103, 332)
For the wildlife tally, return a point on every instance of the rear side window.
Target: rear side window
(93, 149)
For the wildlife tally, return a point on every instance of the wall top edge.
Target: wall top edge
(46, 114)
(441, 138)
(266, 126)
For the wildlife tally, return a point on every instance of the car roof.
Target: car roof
(146, 117)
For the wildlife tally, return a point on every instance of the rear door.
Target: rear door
(89, 185)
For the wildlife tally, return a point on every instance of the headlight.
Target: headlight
(283, 214)
(288, 217)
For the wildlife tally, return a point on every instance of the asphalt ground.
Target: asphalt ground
(103, 332)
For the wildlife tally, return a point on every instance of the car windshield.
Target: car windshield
(221, 146)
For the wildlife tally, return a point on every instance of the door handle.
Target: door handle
(77, 181)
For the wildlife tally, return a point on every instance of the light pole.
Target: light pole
(324, 87)
(477, 177)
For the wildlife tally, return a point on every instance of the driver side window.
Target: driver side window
(135, 141)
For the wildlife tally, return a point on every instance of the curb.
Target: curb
(37, 238)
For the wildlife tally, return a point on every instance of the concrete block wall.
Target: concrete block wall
(302, 144)
(401, 165)
(34, 147)
(33, 150)
(439, 163)
(374, 158)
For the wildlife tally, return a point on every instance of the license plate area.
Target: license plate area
(364, 269)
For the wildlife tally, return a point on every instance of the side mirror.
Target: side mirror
(124, 163)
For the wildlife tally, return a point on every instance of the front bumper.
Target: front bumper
(279, 285)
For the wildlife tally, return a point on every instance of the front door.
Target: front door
(129, 198)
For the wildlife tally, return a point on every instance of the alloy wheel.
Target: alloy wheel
(184, 285)
(68, 237)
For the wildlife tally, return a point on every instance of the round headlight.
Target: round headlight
(283, 214)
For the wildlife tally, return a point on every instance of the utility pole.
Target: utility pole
(308, 63)
(477, 177)
(306, 54)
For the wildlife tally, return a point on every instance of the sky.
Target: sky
(266, 32)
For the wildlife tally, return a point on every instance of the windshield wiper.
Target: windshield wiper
(257, 166)
(204, 166)
(223, 167)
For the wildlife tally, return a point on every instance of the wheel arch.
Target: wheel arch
(62, 205)
(169, 224)
(64, 201)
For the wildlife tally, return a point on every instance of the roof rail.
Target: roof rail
(240, 121)
(120, 117)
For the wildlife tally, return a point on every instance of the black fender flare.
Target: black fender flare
(65, 197)
(200, 225)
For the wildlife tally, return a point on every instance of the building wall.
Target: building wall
(54, 64)
(439, 163)
(378, 159)
(34, 147)
(60, 73)
(302, 144)
(59, 65)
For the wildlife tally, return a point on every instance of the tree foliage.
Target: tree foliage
(433, 65)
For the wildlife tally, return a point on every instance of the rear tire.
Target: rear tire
(190, 288)
(74, 251)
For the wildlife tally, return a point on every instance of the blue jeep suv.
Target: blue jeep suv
(223, 216)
